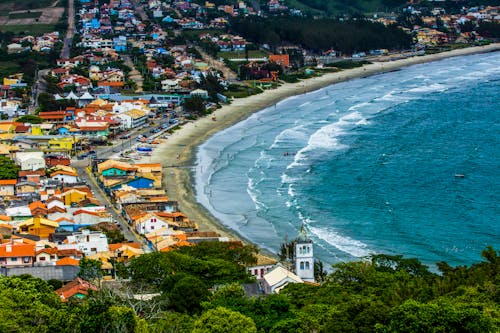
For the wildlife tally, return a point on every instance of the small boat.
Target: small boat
(459, 175)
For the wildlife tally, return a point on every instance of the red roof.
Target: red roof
(8, 182)
(93, 128)
(24, 173)
(68, 262)
(22, 129)
(77, 286)
(17, 250)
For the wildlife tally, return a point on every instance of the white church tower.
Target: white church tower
(304, 256)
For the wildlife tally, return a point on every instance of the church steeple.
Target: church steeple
(304, 256)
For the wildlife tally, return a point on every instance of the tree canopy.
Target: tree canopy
(8, 169)
(383, 293)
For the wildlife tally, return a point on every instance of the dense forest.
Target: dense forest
(199, 290)
(320, 35)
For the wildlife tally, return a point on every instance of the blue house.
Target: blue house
(63, 130)
(137, 183)
(95, 24)
(120, 44)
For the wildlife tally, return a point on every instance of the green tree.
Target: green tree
(90, 269)
(195, 105)
(8, 169)
(172, 322)
(32, 119)
(187, 294)
(222, 320)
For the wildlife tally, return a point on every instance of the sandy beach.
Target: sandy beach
(177, 154)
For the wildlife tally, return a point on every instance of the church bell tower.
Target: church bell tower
(304, 256)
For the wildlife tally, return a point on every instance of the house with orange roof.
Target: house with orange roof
(38, 226)
(76, 289)
(68, 262)
(8, 187)
(50, 256)
(38, 208)
(34, 176)
(280, 59)
(177, 220)
(16, 254)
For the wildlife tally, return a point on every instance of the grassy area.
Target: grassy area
(24, 15)
(28, 28)
(25, 4)
(8, 68)
(241, 91)
(242, 55)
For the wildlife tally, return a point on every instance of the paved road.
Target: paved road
(105, 153)
(65, 52)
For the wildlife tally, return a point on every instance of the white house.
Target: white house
(89, 242)
(278, 279)
(263, 266)
(148, 223)
(133, 118)
(30, 160)
(66, 177)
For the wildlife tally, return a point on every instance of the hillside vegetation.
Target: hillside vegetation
(199, 291)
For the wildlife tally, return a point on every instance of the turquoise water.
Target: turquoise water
(369, 166)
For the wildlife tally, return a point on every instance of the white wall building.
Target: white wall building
(304, 257)
(30, 160)
(89, 242)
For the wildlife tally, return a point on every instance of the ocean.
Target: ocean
(405, 162)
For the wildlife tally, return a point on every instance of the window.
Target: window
(26, 260)
(52, 257)
(42, 258)
(13, 259)
(307, 265)
(301, 265)
(152, 227)
(93, 249)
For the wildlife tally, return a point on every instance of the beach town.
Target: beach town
(98, 150)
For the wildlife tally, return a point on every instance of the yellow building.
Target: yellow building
(38, 226)
(61, 144)
(73, 196)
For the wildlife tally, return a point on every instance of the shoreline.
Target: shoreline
(178, 153)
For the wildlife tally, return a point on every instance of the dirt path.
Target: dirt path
(134, 74)
(218, 65)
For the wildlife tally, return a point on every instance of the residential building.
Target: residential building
(16, 253)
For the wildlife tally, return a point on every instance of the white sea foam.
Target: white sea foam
(435, 87)
(304, 104)
(253, 192)
(343, 243)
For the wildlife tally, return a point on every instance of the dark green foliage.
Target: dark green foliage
(8, 170)
(347, 37)
(383, 293)
(90, 269)
(32, 119)
(195, 105)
